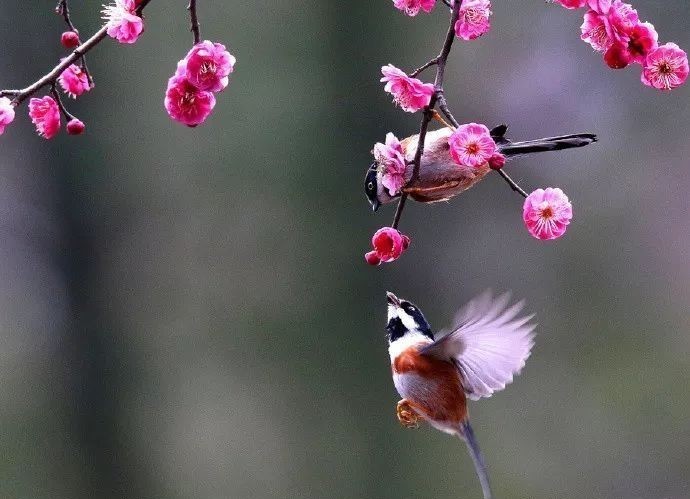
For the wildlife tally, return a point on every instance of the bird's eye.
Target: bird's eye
(370, 186)
(412, 309)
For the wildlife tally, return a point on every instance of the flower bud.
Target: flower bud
(70, 39)
(75, 127)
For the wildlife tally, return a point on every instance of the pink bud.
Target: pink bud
(617, 56)
(497, 161)
(75, 127)
(372, 258)
(70, 39)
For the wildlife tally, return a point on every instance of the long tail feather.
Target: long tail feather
(547, 144)
(473, 447)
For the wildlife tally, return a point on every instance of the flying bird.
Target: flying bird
(488, 345)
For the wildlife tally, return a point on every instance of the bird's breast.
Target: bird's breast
(440, 178)
(430, 384)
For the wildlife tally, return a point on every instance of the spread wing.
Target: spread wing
(489, 344)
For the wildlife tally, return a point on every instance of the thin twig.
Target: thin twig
(60, 104)
(195, 21)
(63, 10)
(51, 77)
(427, 65)
(443, 106)
(428, 115)
(513, 185)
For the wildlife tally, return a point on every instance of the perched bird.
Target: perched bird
(440, 178)
(478, 356)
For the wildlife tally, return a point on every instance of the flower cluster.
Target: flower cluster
(614, 28)
(472, 22)
(189, 98)
(388, 244)
(122, 20)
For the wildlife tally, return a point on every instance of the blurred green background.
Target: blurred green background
(187, 313)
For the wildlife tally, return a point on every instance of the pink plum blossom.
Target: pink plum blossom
(409, 93)
(388, 244)
(412, 7)
(666, 67)
(6, 113)
(391, 160)
(547, 213)
(474, 19)
(122, 21)
(572, 4)
(642, 38)
(208, 66)
(471, 145)
(603, 28)
(45, 114)
(74, 81)
(185, 103)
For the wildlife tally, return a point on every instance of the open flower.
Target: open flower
(184, 102)
(208, 66)
(547, 213)
(122, 21)
(45, 114)
(471, 145)
(611, 23)
(474, 19)
(6, 113)
(388, 244)
(74, 81)
(391, 160)
(409, 93)
(412, 7)
(666, 67)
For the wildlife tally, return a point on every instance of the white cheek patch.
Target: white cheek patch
(407, 320)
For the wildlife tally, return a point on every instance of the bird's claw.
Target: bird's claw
(407, 415)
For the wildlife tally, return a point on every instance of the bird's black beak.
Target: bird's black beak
(375, 204)
(392, 299)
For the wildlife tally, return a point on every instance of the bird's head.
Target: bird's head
(374, 189)
(405, 317)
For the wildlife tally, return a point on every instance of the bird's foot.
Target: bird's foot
(407, 415)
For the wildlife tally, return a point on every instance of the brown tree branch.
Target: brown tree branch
(51, 77)
(194, 20)
(63, 10)
(428, 113)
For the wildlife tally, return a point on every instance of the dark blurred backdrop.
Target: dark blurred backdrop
(187, 313)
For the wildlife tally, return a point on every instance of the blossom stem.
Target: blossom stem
(513, 185)
(63, 10)
(194, 20)
(56, 95)
(428, 113)
(51, 77)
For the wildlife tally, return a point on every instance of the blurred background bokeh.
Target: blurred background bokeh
(186, 313)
